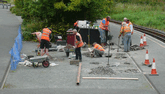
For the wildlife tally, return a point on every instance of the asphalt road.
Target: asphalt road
(61, 79)
(9, 30)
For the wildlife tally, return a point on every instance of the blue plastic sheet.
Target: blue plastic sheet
(15, 50)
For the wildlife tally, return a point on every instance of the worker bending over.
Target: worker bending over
(102, 28)
(127, 36)
(79, 44)
(98, 50)
(45, 41)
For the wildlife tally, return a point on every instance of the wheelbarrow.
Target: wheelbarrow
(40, 59)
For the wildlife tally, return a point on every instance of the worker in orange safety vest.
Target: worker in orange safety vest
(122, 40)
(45, 41)
(131, 28)
(102, 28)
(78, 45)
(125, 30)
(98, 50)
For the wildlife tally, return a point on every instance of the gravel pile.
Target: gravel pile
(131, 71)
(102, 70)
(87, 54)
(120, 55)
(136, 47)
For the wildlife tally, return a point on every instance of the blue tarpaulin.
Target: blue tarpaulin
(15, 50)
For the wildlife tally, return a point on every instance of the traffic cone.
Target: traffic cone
(141, 42)
(153, 71)
(144, 40)
(147, 62)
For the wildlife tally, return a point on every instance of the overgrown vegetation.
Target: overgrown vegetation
(58, 14)
(61, 14)
(144, 13)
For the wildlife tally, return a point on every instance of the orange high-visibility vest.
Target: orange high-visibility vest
(125, 29)
(102, 26)
(81, 42)
(45, 34)
(130, 24)
(99, 47)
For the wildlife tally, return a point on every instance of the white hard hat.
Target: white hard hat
(125, 18)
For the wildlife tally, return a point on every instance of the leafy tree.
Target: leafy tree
(61, 14)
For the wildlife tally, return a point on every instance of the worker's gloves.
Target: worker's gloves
(131, 33)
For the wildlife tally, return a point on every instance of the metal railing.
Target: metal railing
(153, 32)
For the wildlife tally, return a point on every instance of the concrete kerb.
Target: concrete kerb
(5, 76)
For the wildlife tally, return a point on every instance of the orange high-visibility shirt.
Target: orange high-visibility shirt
(45, 34)
(81, 42)
(99, 47)
(104, 26)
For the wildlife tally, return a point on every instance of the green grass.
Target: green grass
(143, 15)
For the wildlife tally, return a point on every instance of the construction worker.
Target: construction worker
(45, 41)
(98, 50)
(122, 40)
(102, 28)
(127, 36)
(76, 25)
(131, 27)
(79, 44)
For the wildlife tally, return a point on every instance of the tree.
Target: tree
(61, 14)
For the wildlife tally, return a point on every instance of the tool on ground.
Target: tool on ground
(109, 44)
(78, 76)
(118, 44)
(108, 52)
(108, 78)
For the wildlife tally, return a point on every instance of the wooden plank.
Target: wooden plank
(74, 62)
(113, 78)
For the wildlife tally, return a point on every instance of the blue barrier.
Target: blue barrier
(15, 50)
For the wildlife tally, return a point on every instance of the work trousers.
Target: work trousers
(123, 41)
(127, 40)
(102, 35)
(78, 53)
(98, 53)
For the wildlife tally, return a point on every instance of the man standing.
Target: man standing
(131, 28)
(98, 50)
(79, 44)
(102, 28)
(127, 36)
(45, 41)
(122, 40)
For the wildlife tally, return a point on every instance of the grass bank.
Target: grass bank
(143, 15)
